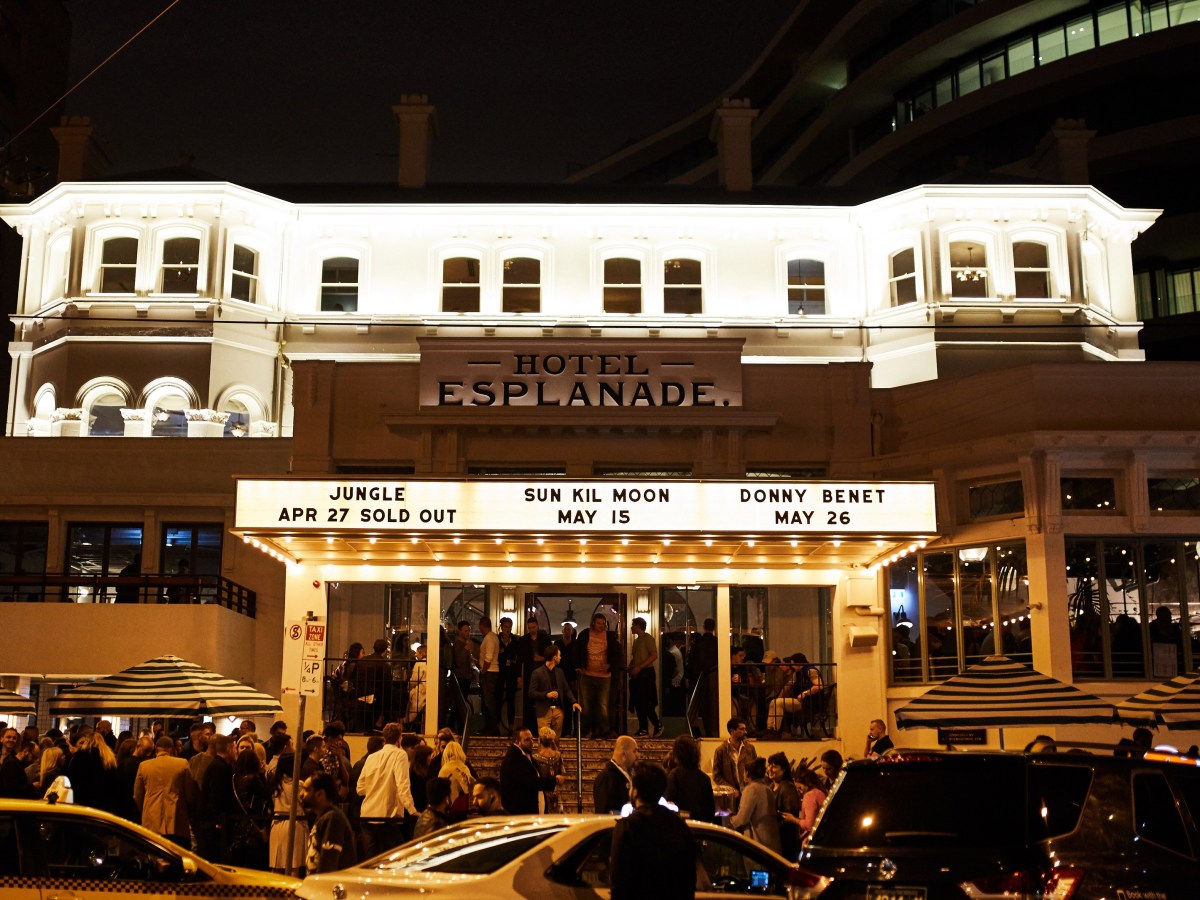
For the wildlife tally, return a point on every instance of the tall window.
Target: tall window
(243, 281)
(180, 266)
(683, 291)
(22, 552)
(191, 549)
(622, 285)
(460, 284)
(902, 276)
(1031, 269)
(104, 415)
(118, 265)
(99, 549)
(806, 287)
(58, 269)
(968, 269)
(522, 285)
(339, 284)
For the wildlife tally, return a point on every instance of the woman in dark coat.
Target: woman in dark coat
(94, 776)
(687, 786)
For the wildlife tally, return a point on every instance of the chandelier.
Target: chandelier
(970, 273)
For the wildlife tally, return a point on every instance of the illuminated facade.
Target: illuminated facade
(413, 411)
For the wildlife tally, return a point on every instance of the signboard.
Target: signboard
(961, 736)
(658, 507)
(304, 657)
(593, 373)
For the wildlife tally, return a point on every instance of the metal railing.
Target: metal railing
(753, 688)
(180, 589)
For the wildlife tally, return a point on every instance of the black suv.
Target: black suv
(1078, 824)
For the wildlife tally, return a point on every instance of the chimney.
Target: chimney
(731, 131)
(1062, 154)
(418, 126)
(81, 157)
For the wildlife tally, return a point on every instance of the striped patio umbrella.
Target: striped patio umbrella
(999, 692)
(167, 686)
(1174, 703)
(14, 704)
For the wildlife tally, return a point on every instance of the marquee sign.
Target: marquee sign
(595, 373)
(623, 507)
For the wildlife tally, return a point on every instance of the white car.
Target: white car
(548, 856)
(70, 852)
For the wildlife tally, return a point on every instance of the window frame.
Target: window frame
(331, 256)
(894, 280)
(823, 288)
(253, 277)
(507, 258)
(456, 253)
(56, 280)
(96, 389)
(683, 255)
(622, 254)
(97, 241)
(196, 269)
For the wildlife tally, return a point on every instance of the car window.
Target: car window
(1155, 815)
(10, 847)
(1187, 783)
(74, 847)
(1056, 797)
(911, 801)
(731, 868)
(587, 864)
(485, 857)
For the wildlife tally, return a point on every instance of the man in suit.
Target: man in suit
(878, 742)
(165, 792)
(549, 691)
(521, 782)
(610, 790)
(653, 852)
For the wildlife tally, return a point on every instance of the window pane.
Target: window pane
(460, 270)
(968, 269)
(906, 635)
(1051, 45)
(1089, 494)
(622, 271)
(76, 848)
(1030, 255)
(1113, 24)
(940, 626)
(1083, 609)
(522, 299)
(1012, 593)
(120, 251)
(1032, 285)
(904, 263)
(978, 624)
(1081, 35)
(626, 300)
(1154, 15)
(339, 270)
(23, 547)
(1155, 815)
(1166, 494)
(245, 260)
(904, 291)
(106, 418)
(807, 301)
(944, 90)
(1020, 56)
(993, 69)
(1006, 498)
(339, 299)
(681, 271)
(181, 251)
(806, 271)
(682, 301)
(522, 270)
(460, 299)
(968, 78)
(243, 287)
(1164, 608)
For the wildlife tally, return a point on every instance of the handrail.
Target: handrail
(149, 588)
(577, 720)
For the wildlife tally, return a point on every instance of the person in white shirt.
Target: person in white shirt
(387, 793)
(489, 677)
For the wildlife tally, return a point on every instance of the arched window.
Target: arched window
(243, 275)
(622, 285)
(522, 285)
(683, 287)
(104, 414)
(164, 402)
(806, 287)
(180, 270)
(1031, 269)
(902, 276)
(460, 284)
(245, 411)
(118, 265)
(339, 284)
(968, 269)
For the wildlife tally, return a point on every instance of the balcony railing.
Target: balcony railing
(183, 589)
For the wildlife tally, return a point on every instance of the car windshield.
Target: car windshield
(475, 849)
(961, 801)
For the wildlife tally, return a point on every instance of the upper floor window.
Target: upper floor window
(23, 547)
(1031, 269)
(522, 285)
(622, 285)
(100, 549)
(460, 284)
(243, 280)
(902, 276)
(968, 269)
(806, 287)
(339, 284)
(118, 265)
(180, 266)
(58, 269)
(683, 291)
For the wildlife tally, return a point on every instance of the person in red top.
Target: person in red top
(598, 657)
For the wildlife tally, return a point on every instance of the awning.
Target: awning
(14, 704)
(167, 686)
(999, 692)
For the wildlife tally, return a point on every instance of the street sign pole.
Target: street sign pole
(312, 662)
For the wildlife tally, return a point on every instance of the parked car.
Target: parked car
(61, 850)
(546, 856)
(1089, 824)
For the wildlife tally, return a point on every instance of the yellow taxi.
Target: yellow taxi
(61, 851)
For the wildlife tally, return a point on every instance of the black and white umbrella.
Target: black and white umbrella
(167, 686)
(1174, 703)
(14, 704)
(999, 692)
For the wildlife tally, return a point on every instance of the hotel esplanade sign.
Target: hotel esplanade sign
(599, 373)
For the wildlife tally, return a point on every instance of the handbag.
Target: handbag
(60, 791)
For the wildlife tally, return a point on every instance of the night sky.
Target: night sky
(262, 91)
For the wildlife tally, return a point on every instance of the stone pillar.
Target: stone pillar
(724, 666)
(433, 658)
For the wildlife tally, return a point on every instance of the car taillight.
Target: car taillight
(805, 885)
(1059, 883)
